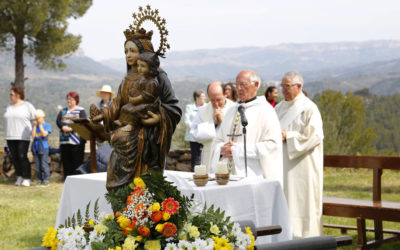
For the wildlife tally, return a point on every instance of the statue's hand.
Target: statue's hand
(97, 118)
(152, 120)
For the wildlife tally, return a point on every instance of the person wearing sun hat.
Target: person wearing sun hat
(106, 94)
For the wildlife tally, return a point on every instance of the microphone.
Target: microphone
(242, 115)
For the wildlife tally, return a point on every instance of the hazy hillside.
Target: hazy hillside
(345, 66)
(272, 61)
(382, 78)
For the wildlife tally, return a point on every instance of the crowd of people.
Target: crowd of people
(284, 140)
(24, 123)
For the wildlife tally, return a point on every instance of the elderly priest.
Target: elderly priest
(264, 142)
(302, 137)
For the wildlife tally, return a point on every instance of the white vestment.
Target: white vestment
(204, 130)
(263, 141)
(303, 164)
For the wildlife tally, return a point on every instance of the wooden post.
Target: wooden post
(93, 163)
(377, 197)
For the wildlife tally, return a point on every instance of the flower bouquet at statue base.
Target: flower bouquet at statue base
(150, 213)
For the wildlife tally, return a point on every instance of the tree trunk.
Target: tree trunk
(19, 62)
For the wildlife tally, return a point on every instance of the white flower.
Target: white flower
(171, 246)
(183, 244)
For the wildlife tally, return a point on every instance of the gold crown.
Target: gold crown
(141, 34)
(136, 32)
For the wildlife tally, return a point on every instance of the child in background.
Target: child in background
(40, 147)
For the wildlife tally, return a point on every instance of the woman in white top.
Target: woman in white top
(190, 112)
(18, 127)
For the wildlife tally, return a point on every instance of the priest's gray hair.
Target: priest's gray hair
(295, 76)
(254, 78)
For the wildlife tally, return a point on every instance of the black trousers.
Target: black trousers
(19, 153)
(195, 150)
(71, 157)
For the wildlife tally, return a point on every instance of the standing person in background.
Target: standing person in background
(72, 146)
(230, 91)
(271, 94)
(106, 95)
(303, 156)
(208, 119)
(190, 112)
(18, 117)
(40, 147)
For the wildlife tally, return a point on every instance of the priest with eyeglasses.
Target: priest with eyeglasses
(263, 137)
(302, 137)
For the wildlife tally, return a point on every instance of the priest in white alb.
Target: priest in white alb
(263, 137)
(208, 119)
(302, 136)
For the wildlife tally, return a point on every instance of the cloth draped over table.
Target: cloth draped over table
(303, 164)
(263, 141)
(135, 152)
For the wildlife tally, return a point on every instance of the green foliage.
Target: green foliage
(96, 210)
(38, 27)
(345, 127)
(117, 197)
(87, 214)
(79, 217)
(209, 217)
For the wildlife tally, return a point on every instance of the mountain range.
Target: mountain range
(341, 66)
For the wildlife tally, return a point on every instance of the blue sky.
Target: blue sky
(210, 24)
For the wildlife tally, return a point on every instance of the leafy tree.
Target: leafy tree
(344, 121)
(38, 27)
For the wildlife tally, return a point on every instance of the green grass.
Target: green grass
(27, 212)
(357, 184)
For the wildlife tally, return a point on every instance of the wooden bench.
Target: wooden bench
(374, 209)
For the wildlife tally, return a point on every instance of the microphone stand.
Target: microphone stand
(245, 149)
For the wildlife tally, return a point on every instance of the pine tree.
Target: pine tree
(38, 28)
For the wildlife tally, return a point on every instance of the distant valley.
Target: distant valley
(340, 66)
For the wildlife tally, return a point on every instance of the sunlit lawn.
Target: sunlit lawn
(26, 212)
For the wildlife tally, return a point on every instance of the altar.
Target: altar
(259, 200)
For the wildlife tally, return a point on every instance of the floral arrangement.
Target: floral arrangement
(150, 213)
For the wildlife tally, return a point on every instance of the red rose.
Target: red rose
(144, 231)
(156, 216)
(169, 230)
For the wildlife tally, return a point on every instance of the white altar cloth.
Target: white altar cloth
(259, 200)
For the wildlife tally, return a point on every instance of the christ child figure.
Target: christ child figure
(144, 95)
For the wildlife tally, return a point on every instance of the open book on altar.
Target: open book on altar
(85, 128)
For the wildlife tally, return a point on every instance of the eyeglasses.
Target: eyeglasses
(241, 84)
(288, 86)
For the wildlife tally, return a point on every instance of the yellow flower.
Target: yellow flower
(100, 228)
(249, 232)
(90, 222)
(108, 217)
(152, 245)
(130, 243)
(159, 227)
(166, 216)
(50, 239)
(116, 248)
(214, 229)
(123, 221)
(139, 182)
(194, 232)
(139, 238)
(222, 244)
(155, 207)
(182, 235)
